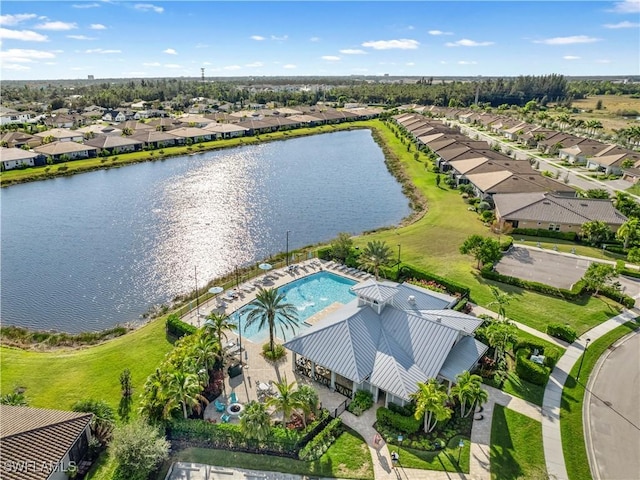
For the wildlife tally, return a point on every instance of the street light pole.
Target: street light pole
(287, 251)
(240, 333)
(195, 270)
(582, 359)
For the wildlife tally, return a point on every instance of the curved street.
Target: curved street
(612, 415)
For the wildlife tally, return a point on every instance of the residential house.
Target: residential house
(488, 184)
(61, 135)
(256, 127)
(544, 210)
(64, 121)
(11, 158)
(43, 442)
(104, 130)
(163, 124)
(9, 116)
(193, 134)
(225, 130)
(57, 151)
(577, 154)
(613, 160)
(154, 138)
(117, 116)
(19, 139)
(471, 166)
(305, 120)
(385, 341)
(553, 143)
(114, 144)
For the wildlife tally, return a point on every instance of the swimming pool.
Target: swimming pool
(309, 295)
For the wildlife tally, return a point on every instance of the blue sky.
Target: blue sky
(114, 39)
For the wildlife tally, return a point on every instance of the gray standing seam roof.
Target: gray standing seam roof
(464, 355)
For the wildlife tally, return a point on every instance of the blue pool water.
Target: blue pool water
(309, 295)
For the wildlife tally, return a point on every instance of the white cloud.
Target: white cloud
(86, 5)
(467, 62)
(568, 40)
(280, 39)
(624, 24)
(97, 26)
(15, 66)
(148, 7)
(289, 66)
(102, 51)
(352, 51)
(151, 64)
(257, 38)
(170, 51)
(402, 44)
(58, 26)
(172, 65)
(24, 35)
(330, 58)
(10, 20)
(20, 55)
(465, 42)
(314, 39)
(232, 67)
(80, 37)
(254, 65)
(410, 64)
(571, 57)
(439, 32)
(627, 6)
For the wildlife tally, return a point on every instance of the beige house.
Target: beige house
(11, 158)
(72, 150)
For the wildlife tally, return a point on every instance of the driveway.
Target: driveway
(544, 267)
(612, 416)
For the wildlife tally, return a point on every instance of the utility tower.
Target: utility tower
(202, 74)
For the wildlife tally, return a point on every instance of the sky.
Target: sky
(136, 39)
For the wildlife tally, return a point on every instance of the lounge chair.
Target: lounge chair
(225, 418)
(220, 407)
(233, 398)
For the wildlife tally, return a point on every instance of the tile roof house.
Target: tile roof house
(18, 139)
(488, 184)
(39, 444)
(611, 160)
(155, 138)
(62, 135)
(11, 158)
(388, 339)
(578, 153)
(553, 212)
(73, 150)
(225, 130)
(115, 144)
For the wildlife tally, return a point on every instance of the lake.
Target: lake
(89, 251)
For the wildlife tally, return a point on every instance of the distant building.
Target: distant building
(90, 77)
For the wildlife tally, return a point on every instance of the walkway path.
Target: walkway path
(553, 453)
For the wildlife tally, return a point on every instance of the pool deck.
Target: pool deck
(256, 369)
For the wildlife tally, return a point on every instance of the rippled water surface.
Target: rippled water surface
(89, 251)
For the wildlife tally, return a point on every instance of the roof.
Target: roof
(408, 342)
(189, 132)
(8, 154)
(59, 133)
(547, 207)
(464, 356)
(509, 182)
(224, 128)
(60, 148)
(111, 141)
(37, 436)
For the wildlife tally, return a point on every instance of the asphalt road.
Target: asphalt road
(612, 413)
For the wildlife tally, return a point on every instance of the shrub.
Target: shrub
(138, 449)
(563, 332)
(530, 371)
(506, 243)
(396, 421)
(178, 328)
(277, 353)
(324, 253)
(540, 232)
(321, 442)
(409, 271)
(362, 401)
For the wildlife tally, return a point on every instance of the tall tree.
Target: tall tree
(500, 335)
(218, 325)
(595, 232)
(269, 309)
(502, 300)
(629, 231)
(341, 246)
(598, 275)
(286, 400)
(466, 390)
(255, 421)
(307, 400)
(484, 250)
(184, 390)
(430, 401)
(376, 254)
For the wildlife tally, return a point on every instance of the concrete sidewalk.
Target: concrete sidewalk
(553, 453)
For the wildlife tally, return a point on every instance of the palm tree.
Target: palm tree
(478, 397)
(183, 389)
(307, 399)
(430, 401)
(255, 421)
(269, 308)
(218, 324)
(205, 351)
(501, 299)
(376, 254)
(285, 401)
(628, 231)
(499, 335)
(466, 391)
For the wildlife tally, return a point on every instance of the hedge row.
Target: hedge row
(575, 292)
(397, 421)
(531, 371)
(178, 328)
(324, 253)
(563, 332)
(629, 272)
(551, 354)
(409, 271)
(618, 296)
(321, 442)
(541, 232)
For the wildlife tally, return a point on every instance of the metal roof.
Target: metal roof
(380, 292)
(464, 356)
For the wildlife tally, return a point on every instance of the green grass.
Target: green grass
(433, 241)
(516, 445)
(445, 460)
(348, 457)
(58, 379)
(572, 432)
(102, 469)
(634, 189)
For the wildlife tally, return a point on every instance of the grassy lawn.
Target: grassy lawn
(102, 469)
(572, 432)
(445, 460)
(634, 189)
(348, 457)
(433, 241)
(516, 445)
(60, 378)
